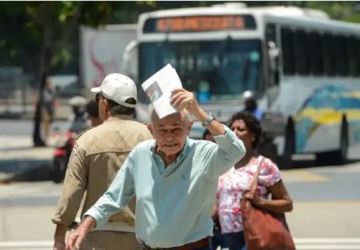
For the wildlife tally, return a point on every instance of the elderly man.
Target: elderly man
(174, 179)
(96, 158)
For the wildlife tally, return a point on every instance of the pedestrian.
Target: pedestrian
(78, 121)
(237, 180)
(96, 158)
(173, 178)
(92, 112)
(47, 108)
(251, 105)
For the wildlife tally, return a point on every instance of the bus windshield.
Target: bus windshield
(222, 69)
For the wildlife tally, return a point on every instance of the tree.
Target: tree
(42, 37)
(57, 22)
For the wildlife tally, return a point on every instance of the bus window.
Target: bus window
(341, 55)
(228, 67)
(287, 46)
(329, 54)
(301, 52)
(358, 56)
(352, 55)
(315, 53)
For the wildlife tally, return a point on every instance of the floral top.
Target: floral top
(234, 182)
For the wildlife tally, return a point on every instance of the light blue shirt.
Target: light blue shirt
(173, 203)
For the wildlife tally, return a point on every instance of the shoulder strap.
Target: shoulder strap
(256, 176)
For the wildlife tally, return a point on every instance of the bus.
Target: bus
(303, 66)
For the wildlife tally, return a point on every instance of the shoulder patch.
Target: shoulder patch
(74, 151)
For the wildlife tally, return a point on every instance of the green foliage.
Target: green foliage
(28, 28)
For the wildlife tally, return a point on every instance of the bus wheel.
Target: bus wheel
(289, 145)
(337, 157)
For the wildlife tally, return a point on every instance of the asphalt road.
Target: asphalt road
(25, 127)
(326, 199)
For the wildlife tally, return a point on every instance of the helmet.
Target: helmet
(77, 101)
(250, 103)
(249, 95)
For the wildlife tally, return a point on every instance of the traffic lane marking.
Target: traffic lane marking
(300, 175)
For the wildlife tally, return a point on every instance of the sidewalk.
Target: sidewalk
(21, 111)
(18, 156)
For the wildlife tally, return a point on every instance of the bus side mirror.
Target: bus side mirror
(274, 54)
(274, 63)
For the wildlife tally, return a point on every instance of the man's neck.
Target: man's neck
(168, 159)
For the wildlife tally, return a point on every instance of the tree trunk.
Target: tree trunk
(38, 141)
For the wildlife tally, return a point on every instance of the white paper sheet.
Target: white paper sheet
(158, 88)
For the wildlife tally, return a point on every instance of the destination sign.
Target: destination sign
(199, 23)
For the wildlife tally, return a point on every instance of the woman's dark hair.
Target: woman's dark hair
(206, 132)
(251, 122)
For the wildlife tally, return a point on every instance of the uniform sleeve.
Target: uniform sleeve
(270, 173)
(117, 197)
(75, 184)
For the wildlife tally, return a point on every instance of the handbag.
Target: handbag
(263, 229)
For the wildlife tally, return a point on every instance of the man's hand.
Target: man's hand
(183, 99)
(77, 237)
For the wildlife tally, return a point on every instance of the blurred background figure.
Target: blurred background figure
(47, 109)
(250, 104)
(92, 111)
(64, 141)
(78, 119)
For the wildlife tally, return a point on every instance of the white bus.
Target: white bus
(304, 67)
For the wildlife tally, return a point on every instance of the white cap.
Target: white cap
(118, 88)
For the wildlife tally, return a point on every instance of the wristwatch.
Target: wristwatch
(205, 123)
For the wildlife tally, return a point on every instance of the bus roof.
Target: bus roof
(279, 13)
(234, 8)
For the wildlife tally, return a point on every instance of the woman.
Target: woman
(237, 180)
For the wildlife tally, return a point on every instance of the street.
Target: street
(326, 211)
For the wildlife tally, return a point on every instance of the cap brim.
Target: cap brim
(96, 90)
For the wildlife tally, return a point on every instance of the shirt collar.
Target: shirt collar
(183, 152)
(119, 117)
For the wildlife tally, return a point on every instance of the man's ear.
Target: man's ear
(106, 105)
(150, 128)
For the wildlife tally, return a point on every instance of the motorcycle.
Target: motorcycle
(64, 142)
(61, 156)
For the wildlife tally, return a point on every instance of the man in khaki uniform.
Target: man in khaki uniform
(96, 158)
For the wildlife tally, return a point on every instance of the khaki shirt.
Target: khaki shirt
(96, 158)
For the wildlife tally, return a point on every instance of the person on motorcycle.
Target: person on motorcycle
(250, 104)
(78, 120)
(77, 124)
